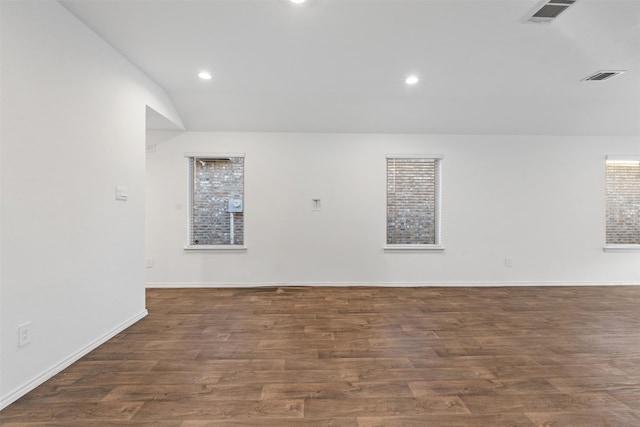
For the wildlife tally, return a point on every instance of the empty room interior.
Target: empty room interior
(320, 213)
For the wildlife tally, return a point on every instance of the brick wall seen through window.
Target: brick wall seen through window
(623, 202)
(412, 201)
(214, 183)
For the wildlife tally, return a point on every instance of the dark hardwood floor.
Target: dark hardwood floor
(526, 356)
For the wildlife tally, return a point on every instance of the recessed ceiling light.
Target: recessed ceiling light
(412, 79)
(204, 75)
(297, 1)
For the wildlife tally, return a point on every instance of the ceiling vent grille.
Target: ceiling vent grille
(550, 10)
(602, 76)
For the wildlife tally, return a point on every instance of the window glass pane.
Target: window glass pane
(623, 202)
(412, 197)
(217, 192)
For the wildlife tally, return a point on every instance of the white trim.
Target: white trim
(439, 204)
(414, 156)
(628, 158)
(63, 364)
(424, 248)
(162, 285)
(210, 155)
(622, 248)
(206, 248)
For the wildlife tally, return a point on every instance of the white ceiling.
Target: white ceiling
(339, 65)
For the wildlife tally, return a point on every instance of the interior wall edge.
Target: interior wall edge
(14, 395)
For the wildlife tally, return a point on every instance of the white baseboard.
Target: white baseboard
(377, 284)
(44, 376)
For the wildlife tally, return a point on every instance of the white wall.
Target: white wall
(73, 127)
(539, 200)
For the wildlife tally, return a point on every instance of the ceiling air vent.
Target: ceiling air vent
(550, 10)
(601, 76)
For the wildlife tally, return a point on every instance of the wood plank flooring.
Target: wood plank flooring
(321, 356)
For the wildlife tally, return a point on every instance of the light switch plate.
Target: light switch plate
(24, 334)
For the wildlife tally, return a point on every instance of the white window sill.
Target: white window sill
(207, 248)
(421, 248)
(622, 248)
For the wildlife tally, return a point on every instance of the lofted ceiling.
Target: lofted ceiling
(340, 65)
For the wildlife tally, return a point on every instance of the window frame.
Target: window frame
(617, 247)
(421, 247)
(206, 248)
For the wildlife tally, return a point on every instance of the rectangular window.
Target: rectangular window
(622, 184)
(216, 201)
(413, 202)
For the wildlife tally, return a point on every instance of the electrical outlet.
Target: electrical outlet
(24, 334)
(148, 262)
(508, 262)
